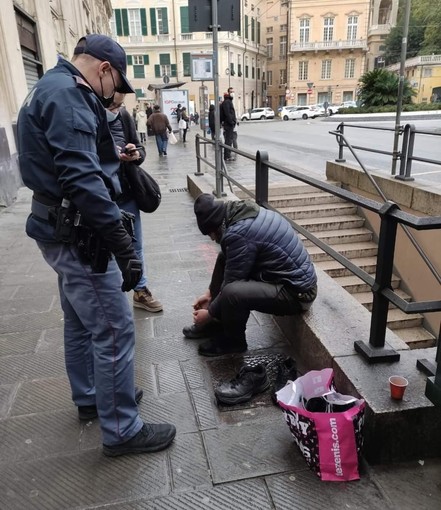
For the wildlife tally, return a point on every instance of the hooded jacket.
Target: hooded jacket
(261, 245)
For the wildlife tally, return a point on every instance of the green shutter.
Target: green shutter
(252, 73)
(174, 71)
(138, 72)
(153, 21)
(125, 22)
(138, 93)
(253, 29)
(258, 32)
(239, 69)
(258, 73)
(143, 21)
(157, 71)
(186, 59)
(118, 21)
(185, 27)
(232, 73)
(246, 27)
(146, 60)
(129, 60)
(164, 20)
(246, 71)
(164, 59)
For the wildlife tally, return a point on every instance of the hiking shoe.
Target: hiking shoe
(143, 299)
(218, 347)
(151, 438)
(196, 331)
(286, 371)
(248, 382)
(86, 413)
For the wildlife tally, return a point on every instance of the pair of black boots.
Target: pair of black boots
(252, 380)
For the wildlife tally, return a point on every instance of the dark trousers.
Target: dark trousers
(228, 135)
(232, 305)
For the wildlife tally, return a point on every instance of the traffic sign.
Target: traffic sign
(309, 91)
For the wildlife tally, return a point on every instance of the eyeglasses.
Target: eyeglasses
(119, 89)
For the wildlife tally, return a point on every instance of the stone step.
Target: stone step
(349, 250)
(416, 338)
(334, 268)
(279, 190)
(353, 284)
(343, 236)
(396, 319)
(320, 197)
(366, 298)
(318, 211)
(331, 223)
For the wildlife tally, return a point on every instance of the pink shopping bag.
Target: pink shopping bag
(330, 439)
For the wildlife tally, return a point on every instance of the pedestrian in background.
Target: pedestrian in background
(228, 121)
(183, 124)
(160, 125)
(68, 158)
(211, 121)
(131, 153)
(141, 119)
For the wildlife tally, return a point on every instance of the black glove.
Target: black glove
(119, 242)
(131, 270)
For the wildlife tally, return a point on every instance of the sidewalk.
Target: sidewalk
(236, 459)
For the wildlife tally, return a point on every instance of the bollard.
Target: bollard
(262, 177)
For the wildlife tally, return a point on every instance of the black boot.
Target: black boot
(219, 346)
(286, 371)
(249, 382)
(206, 330)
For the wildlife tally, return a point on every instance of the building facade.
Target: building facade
(424, 75)
(32, 34)
(318, 49)
(160, 45)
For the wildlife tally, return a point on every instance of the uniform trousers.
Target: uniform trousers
(99, 341)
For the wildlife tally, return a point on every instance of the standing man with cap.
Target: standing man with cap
(262, 266)
(68, 158)
(228, 121)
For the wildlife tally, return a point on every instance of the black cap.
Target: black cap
(209, 213)
(104, 48)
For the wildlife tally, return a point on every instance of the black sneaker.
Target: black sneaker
(286, 371)
(151, 438)
(196, 331)
(249, 382)
(86, 413)
(218, 347)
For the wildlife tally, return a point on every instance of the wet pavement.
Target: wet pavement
(222, 458)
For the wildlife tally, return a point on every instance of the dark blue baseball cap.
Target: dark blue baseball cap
(104, 48)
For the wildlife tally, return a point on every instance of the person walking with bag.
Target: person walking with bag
(131, 153)
(68, 159)
(160, 125)
(183, 123)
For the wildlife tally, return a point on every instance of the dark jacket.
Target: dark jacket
(129, 135)
(227, 112)
(159, 123)
(263, 248)
(66, 150)
(211, 121)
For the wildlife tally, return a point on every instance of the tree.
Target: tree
(380, 88)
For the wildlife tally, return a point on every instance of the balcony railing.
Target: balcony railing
(136, 39)
(417, 61)
(380, 29)
(163, 37)
(186, 37)
(329, 45)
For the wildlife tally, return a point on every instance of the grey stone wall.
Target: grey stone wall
(10, 179)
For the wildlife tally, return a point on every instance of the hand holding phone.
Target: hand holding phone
(131, 150)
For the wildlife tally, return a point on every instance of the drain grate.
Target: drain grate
(178, 190)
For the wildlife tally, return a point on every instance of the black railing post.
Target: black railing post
(407, 154)
(376, 351)
(341, 129)
(262, 177)
(198, 155)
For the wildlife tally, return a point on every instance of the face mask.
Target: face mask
(107, 101)
(232, 95)
(111, 116)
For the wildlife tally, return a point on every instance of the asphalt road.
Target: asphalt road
(307, 145)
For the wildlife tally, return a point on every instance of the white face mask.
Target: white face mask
(111, 116)
(232, 95)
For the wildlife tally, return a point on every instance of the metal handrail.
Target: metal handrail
(340, 137)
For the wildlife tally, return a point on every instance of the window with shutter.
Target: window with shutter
(185, 29)
(186, 59)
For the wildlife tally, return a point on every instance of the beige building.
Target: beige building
(159, 45)
(318, 49)
(32, 34)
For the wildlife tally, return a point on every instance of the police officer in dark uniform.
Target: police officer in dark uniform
(68, 158)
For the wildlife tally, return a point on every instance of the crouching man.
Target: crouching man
(262, 266)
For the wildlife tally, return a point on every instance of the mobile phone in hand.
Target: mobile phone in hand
(132, 150)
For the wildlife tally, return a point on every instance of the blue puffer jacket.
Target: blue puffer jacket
(266, 248)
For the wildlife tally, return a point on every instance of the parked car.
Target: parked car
(349, 104)
(258, 114)
(332, 109)
(298, 112)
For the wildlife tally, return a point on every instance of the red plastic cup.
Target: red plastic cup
(398, 385)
